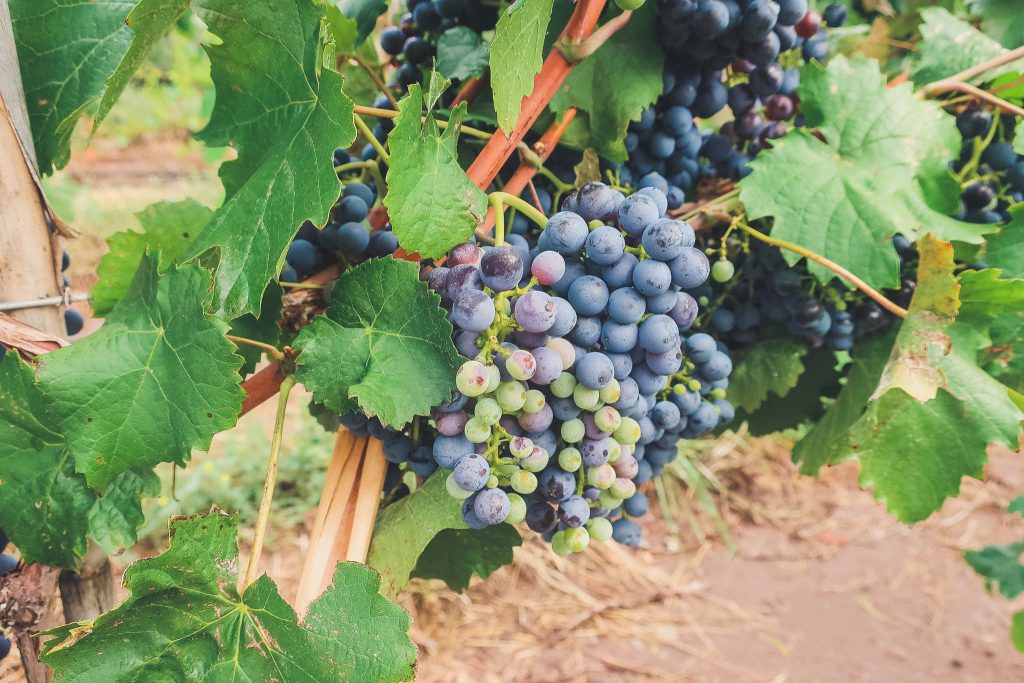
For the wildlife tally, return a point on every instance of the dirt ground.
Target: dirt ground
(820, 584)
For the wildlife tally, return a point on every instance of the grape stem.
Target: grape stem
(303, 285)
(497, 199)
(730, 200)
(577, 51)
(441, 123)
(372, 139)
(361, 63)
(269, 483)
(958, 82)
(831, 265)
(271, 350)
(369, 165)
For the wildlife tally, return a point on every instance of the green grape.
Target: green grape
(488, 411)
(587, 399)
(602, 476)
(628, 432)
(492, 482)
(472, 378)
(558, 545)
(611, 393)
(577, 539)
(505, 470)
(520, 447)
(622, 488)
(693, 385)
(534, 401)
(722, 270)
(718, 393)
(517, 509)
(476, 430)
(607, 419)
(614, 451)
(600, 528)
(511, 396)
(523, 481)
(535, 461)
(454, 490)
(521, 364)
(573, 431)
(493, 378)
(679, 389)
(563, 385)
(608, 500)
(570, 459)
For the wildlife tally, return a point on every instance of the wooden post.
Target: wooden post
(30, 259)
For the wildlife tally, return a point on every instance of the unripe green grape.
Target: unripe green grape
(520, 447)
(517, 509)
(600, 528)
(585, 398)
(614, 451)
(622, 488)
(722, 270)
(628, 432)
(718, 393)
(607, 419)
(558, 546)
(679, 389)
(563, 385)
(611, 393)
(454, 490)
(609, 501)
(476, 430)
(511, 396)
(570, 459)
(488, 411)
(563, 347)
(493, 378)
(472, 378)
(492, 482)
(521, 364)
(629, 5)
(505, 470)
(693, 385)
(573, 431)
(535, 461)
(602, 476)
(577, 539)
(534, 401)
(523, 481)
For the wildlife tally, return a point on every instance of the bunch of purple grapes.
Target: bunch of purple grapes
(988, 158)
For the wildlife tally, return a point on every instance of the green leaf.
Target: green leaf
(115, 518)
(43, 502)
(344, 31)
(455, 555)
(266, 328)
(517, 53)
(1016, 506)
(1017, 631)
(431, 202)
(616, 83)
(1005, 249)
(285, 115)
(818, 380)
(155, 382)
(462, 53)
(72, 54)
(383, 346)
(404, 529)
(166, 226)
(772, 365)
(1001, 19)
(1001, 567)
(365, 13)
(828, 441)
(1018, 138)
(185, 620)
(847, 195)
(950, 45)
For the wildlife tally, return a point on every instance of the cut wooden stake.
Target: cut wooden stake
(367, 500)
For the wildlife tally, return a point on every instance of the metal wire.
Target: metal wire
(62, 300)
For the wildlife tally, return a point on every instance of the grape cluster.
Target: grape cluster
(73, 320)
(722, 52)
(581, 377)
(988, 158)
(346, 237)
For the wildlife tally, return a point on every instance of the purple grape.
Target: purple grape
(537, 422)
(501, 268)
(491, 506)
(690, 268)
(535, 311)
(574, 511)
(549, 365)
(473, 310)
(471, 472)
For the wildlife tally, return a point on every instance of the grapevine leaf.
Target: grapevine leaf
(265, 328)
(517, 53)
(384, 345)
(847, 195)
(819, 379)
(950, 45)
(184, 619)
(1001, 19)
(771, 366)
(461, 53)
(344, 31)
(1001, 567)
(404, 529)
(63, 77)
(285, 116)
(1016, 506)
(43, 502)
(431, 202)
(615, 83)
(365, 13)
(1017, 631)
(1006, 248)
(1018, 138)
(455, 555)
(360, 630)
(167, 226)
(156, 381)
(115, 518)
